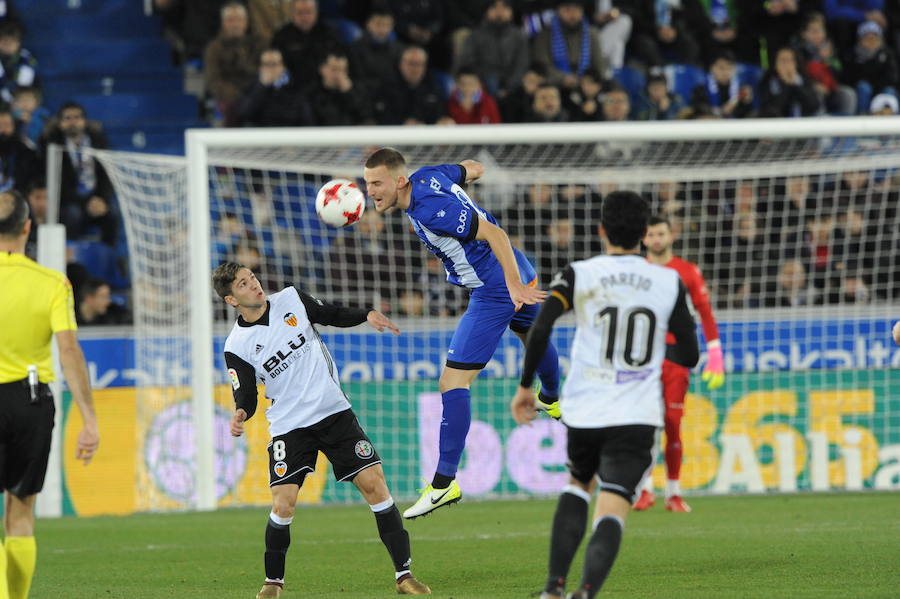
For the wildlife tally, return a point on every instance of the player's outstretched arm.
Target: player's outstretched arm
(474, 170)
(76, 373)
(380, 322)
(560, 300)
(499, 242)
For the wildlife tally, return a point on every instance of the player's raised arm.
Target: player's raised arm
(321, 312)
(685, 351)
(499, 242)
(474, 170)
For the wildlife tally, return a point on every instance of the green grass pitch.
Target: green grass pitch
(822, 546)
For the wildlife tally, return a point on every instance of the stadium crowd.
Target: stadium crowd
(778, 242)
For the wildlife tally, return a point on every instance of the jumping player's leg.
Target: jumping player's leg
(374, 489)
(20, 550)
(549, 374)
(675, 380)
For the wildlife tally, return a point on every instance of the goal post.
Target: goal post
(811, 398)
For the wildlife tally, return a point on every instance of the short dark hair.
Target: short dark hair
(68, 106)
(658, 220)
(13, 213)
(28, 89)
(223, 277)
(624, 216)
(11, 29)
(388, 157)
(90, 286)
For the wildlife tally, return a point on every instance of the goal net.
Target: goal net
(794, 225)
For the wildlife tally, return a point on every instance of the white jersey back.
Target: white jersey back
(290, 358)
(622, 305)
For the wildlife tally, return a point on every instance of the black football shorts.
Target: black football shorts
(26, 431)
(340, 437)
(620, 456)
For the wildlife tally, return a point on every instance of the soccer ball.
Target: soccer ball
(340, 203)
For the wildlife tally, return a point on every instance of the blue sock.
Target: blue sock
(548, 372)
(454, 428)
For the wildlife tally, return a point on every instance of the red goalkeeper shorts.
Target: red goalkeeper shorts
(675, 381)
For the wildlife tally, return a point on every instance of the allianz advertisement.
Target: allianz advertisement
(811, 404)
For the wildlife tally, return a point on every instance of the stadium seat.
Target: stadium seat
(347, 30)
(750, 74)
(133, 108)
(100, 260)
(444, 82)
(683, 78)
(103, 57)
(632, 80)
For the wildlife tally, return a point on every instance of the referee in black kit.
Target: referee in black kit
(37, 303)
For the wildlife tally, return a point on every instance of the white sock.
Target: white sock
(400, 575)
(647, 485)
(673, 487)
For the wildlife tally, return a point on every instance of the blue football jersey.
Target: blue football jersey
(442, 215)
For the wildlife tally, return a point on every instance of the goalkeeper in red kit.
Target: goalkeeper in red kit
(675, 378)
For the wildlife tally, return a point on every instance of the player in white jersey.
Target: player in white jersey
(275, 342)
(611, 403)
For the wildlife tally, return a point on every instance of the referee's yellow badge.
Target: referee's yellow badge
(290, 319)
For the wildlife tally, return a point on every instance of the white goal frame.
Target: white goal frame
(199, 142)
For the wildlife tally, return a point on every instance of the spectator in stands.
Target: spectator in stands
(411, 303)
(614, 25)
(304, 41)
(230, 61)
(791, 288)
(787, 209)
(823, 67)
(247, 252)
(421, 23)
(666, 31)
(557, 248)
(884, 105)
(723, 31)
(413, 98)
(194, 23)
(442, 299)
(784, 92)
(360, 274)
(585, 101)
(722, 91)
(334, 101)
(516, 106)
(86, 193)
(660, 104)
(31, 117)
(616, 104)
(497, 50)
(18, 65)
(268, 16)
(95, 305)
(18, 162)
(569, 47)
(37, 205)
(375, 55)
(771, 26)
(547, 106)
(845, 16)
(873, 68)
(274, 100)
(853, 290)
(469, 104)
(525, 220)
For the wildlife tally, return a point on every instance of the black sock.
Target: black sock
(278, 539)
(394, 537)
(441, 481)
(568, 529)
(601, 553)
(546, 399)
